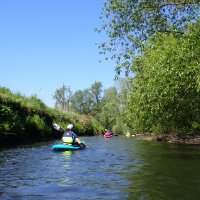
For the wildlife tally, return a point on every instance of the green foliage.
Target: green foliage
(35, 103)
(8, 117)
(82, 101)
(29, 119)
(87, 125)
(62, 97)
(92, 103)
(97, 127)
(88, 100)
(165, 95)
(96, 90)
(4, 92)
(35, 121)
(129, 24)
(16, 111)
(83, 124)
(120, 127)
(97, 95)
(110, 110)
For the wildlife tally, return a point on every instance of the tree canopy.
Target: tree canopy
(62, 97)
(129, 24)
(165, 93)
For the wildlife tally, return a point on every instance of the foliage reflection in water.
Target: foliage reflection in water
(118, 168)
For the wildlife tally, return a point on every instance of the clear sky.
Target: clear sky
(45, 43)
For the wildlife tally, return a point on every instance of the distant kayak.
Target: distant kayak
(67, 147)
(107, 134)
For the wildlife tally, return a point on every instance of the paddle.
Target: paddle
(58, 128)
(83, 143)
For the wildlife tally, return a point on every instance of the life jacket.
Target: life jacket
(69, 137)
(107, 134)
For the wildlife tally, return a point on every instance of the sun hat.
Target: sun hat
(69, 126)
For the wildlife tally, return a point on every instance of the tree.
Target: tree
(96, 92)
(130, 23)
(165, 94)
(62, 97)
(109, 108)
(82, 101)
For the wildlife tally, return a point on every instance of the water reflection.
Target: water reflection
(163, 171)
(67, 154)
(119, 168)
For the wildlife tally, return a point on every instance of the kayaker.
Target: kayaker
(107, 133)
(70, 137)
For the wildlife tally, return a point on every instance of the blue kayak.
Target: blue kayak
(67, 147)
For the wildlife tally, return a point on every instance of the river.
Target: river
(118, 168)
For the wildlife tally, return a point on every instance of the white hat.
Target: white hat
(69, 126)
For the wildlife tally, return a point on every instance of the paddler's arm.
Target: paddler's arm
(78, 140)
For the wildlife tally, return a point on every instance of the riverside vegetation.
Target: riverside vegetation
(159, 44)
(156, 42)
(26, 120)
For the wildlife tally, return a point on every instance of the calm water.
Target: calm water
(116, 168)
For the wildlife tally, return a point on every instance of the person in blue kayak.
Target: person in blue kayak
(70, 137)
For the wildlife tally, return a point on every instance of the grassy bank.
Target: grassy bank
(27, 120)
(190, 138)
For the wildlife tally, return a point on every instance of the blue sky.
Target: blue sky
(45, 43)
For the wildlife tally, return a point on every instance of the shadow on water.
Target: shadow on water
(116, 168)
(164, 171)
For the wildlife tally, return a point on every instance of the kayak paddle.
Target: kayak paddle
(58, 128)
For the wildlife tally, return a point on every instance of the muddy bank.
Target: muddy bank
(193, 138)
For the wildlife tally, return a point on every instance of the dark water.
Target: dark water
(116, 168)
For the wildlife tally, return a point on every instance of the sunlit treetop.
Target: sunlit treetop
(129, 23)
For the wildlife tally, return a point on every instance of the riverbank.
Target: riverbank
(192, 138)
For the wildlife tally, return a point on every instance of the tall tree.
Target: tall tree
(129, 24)
(109, 108)
(82, 101)
(97, 90)
(62, 97)
(165, 94)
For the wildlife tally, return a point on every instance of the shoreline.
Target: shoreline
(192, 138)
